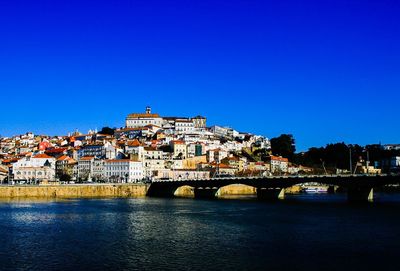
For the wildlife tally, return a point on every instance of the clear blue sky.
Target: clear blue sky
(325, 71)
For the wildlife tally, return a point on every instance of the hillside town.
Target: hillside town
(149, 147)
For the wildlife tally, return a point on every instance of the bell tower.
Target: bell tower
(148, 110)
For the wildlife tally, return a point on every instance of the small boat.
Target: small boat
(316, 189)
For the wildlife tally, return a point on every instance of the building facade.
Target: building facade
(137, 120)
(123, 171)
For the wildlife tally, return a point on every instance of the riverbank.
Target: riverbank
(112, 190)
(75, 191)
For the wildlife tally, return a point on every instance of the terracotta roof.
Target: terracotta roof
(64, 157)
(10, 160)
(278, 158)
(150, 149)
(56, 150)
(134, 143)
(178, 142)
(87, 158)
(142, 116)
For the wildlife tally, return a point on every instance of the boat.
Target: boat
(315, 189)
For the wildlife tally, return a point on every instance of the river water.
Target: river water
(304, 232)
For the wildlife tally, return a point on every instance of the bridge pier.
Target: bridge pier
(360, 194)
(206, 192)
(332, 189)
(270, 193)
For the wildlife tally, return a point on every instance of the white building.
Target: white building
(134, 147)
(389, 147)
(137, 120)
(184, 126)
(98, 171)
(34, 174)
(216, 155)
(36, 161)
(150, 153)
(179, 148)
(85, 167)
(224, 131)
(123, 171)
(151, 166)
(395, 162)
(278, 164)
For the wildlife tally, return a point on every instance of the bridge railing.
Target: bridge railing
(272, 177)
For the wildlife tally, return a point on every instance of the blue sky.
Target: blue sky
(325, 71)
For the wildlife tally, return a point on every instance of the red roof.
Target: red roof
(64, 157)
(134, 143)
(278, 158)
(57, 150)
(178, 142)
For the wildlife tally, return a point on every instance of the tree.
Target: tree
(65, 178)
(284, 146)
(107, 131)
(263, 154)
(333, 156)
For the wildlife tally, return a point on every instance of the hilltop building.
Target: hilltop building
(177, 124)
(137, 120)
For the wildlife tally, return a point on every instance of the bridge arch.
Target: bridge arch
(237, 189)
(184, 191)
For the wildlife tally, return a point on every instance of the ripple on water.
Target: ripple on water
(183, 234)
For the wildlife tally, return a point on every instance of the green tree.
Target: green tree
(284, 146)
(65, 178)
(107, 131)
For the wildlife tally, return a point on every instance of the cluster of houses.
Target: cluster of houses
(148, 147)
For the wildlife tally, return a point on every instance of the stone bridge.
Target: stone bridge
(358, 187)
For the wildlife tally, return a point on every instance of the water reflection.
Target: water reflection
(183, 234)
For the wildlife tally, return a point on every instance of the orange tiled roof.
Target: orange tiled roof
(134, 143)
(142, 116)
(64, 157)
(87, 158)
(278, 158)
(178, 142)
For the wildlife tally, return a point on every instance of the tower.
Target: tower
(148, 110)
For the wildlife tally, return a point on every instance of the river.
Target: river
(303, 232)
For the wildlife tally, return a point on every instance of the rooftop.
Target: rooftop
(142, 116)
